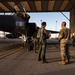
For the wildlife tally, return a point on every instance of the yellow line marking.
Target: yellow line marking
(9, 53)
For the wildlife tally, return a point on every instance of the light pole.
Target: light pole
(56, 25)
(56, 29)
(41, 21)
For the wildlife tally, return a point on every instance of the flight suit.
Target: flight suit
(42, 45)
(64, 37)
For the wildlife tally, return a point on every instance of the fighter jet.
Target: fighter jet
(18, 25)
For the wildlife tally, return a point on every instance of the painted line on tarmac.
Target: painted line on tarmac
(9, 53)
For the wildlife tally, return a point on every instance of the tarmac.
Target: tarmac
(25, 62)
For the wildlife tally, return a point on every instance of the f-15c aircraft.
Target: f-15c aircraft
(18, 25)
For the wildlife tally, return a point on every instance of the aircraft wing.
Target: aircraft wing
(51, 31)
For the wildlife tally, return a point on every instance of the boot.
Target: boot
(67, 61)
(62, 62)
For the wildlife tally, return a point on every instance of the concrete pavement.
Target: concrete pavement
(25, 63)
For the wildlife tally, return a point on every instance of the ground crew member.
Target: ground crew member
(41, 35)
(64, 37)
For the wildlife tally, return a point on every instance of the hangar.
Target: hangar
(42, 6)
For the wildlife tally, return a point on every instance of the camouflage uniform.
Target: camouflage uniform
(64, 37)
(42, 44)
